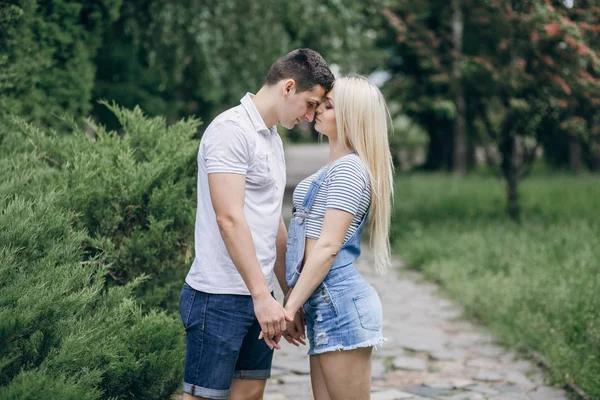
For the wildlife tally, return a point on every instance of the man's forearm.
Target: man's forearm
(238, 241)
(280, 246)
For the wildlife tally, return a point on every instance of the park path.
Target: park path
(431, 353)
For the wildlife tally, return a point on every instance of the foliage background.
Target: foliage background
(98, 198)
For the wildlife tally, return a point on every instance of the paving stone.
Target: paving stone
(482, 363)
(466, 396)
(422, 344)
(299, 366)
(297, 391)
(490, 350)
(274, 396)
(548, 393)
(521, 366)
(510, 396)
(461, 326)
(487, 376)
(439, 384)
(276, 371)
(469, 339)
(388, 350)
(519, 379)
(390, 394)
(292, 378)
(403, 378)
(462, 383)
(409, 363)
(427, 391)
(536, 377)
(507, 389)
(445, 355)
(482, 389)
(377, 370)
(453, 369)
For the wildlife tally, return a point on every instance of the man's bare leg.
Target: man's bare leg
(248, 389)
(241, 389)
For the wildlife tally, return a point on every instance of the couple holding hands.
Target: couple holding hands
(232, 321)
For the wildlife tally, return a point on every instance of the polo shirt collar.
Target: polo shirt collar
(255, 118)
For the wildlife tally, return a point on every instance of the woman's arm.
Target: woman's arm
(321, 257)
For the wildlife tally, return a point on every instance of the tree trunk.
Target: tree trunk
(595, 156)
(512, 197)
(435, 149)
(510, 170)
(460, 142)
(575, 159)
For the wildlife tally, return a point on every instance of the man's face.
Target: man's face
(297, 107)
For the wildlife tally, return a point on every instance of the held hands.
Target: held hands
(294, 332)
(272, 319)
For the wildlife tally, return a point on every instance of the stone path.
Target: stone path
(431, 353)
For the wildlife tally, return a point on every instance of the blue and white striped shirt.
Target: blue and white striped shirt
(346, 187)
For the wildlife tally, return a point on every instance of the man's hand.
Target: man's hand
(272, 319)
(294, 332)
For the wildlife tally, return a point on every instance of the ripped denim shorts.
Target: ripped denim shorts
(343, 313)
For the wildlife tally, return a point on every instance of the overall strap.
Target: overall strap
(313, 190)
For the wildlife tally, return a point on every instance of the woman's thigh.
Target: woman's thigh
(317, 380)
(347, 373)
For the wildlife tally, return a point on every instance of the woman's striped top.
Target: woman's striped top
(346, 187)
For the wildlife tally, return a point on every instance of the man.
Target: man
(227, 301)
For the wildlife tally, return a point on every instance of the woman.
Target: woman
(342, 311)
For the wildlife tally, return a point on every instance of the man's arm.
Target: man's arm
(227, 193)
(280, 260)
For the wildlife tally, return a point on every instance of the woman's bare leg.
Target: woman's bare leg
(317, 380)
(347, 373)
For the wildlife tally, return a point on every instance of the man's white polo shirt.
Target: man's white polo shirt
(239, 142)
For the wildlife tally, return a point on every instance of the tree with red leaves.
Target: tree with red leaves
(529, 69)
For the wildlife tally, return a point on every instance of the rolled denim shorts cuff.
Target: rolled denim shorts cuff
(252, 374)
(200, 391)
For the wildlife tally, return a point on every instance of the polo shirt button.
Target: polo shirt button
(326, 299)
(323, 292)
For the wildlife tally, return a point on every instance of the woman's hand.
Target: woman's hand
(294, 332)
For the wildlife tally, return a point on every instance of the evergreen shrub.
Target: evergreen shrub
(95, 233)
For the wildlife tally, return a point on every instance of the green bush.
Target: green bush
(535, 284)
(91, 230)
(63, 333)
(133, 193)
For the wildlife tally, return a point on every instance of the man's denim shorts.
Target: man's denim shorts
(221, 342)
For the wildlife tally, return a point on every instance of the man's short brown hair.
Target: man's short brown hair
(305, 66)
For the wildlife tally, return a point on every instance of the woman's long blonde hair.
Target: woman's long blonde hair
(362, 126)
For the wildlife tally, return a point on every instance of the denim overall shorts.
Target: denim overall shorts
(344, 312)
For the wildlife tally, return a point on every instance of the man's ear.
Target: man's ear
(289, 87)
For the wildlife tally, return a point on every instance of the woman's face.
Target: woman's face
(325, 118)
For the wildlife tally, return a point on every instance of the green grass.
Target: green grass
(535, 284)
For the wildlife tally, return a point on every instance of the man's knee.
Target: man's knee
(247, 389)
